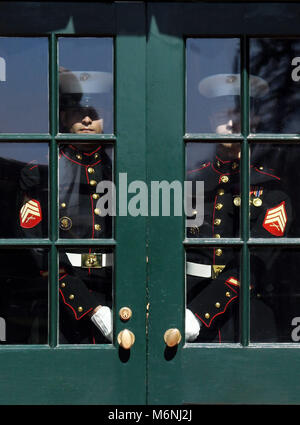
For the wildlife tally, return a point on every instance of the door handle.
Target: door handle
(172, 337)
(126, 339)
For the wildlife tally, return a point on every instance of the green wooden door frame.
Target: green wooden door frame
(151, 374)
(97, 374)
(201, 373)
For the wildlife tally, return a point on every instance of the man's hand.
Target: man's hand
(192, 326)
(102, 318)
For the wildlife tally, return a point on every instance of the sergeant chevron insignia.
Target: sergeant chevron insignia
(30, 214)
(275, 220)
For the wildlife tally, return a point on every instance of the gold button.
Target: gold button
(207, 316)
(228, 294)
(71, 297)
(78, 156)
(80, 309)
(97, 211)
(218, 305)
(261, 168)
(65, 223)
(219, 207)
(218, 252)
(63, 285)
(97, 227)
(218, 164)
(224, 179)
(96, 196)
(93, 182)
(217, 221)
(221, 192)
(63, 205)
(257, 202)
(234, 165)
(91, 170)
(237, 201)
(96, 155)
(217, 236)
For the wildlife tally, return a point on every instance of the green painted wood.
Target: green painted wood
(89, 374)
(203, 373)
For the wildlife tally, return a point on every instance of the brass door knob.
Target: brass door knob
(172, 337)
(126, 339)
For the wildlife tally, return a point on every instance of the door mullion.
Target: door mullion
(53, 180)
(245, 274)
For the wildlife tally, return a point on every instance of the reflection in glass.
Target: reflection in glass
(85, 293)
(83, 210)
(277, 62)
(213, 85)
(86, 85)
(212, 295)
(275, 203)
(24, 296)
(24, 190)
(218, 166)
(24, 85)
(275, 291)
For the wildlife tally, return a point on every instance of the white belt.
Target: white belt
(199, 270)
(79, 260)
(203, 270)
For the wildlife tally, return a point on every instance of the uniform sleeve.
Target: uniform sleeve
(75, 297)
(32, 204)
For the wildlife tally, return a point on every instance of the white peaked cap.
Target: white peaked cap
(85, 82)
(229, 84)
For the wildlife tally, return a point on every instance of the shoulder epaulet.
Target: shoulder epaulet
(205, 165)
(264, 171)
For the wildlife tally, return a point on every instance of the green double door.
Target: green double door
(156, 55)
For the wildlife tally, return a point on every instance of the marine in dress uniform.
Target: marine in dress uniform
(213, 274)
(85, 278)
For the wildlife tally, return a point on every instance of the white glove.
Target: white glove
(192, 326)
(104, 321)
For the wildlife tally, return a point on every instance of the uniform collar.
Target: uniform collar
(80, 157)
(223, 166)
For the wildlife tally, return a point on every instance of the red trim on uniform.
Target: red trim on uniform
(91, 153)
(223, 162)
(72, 160)
(198, 169)
(85, 153)
(66, 274)
(79, 163)
(218, 314)
(219, 332)
(213, 218)
(232, 283)
(92, 204)
(33, 167)
(267, 174)
(75, 314)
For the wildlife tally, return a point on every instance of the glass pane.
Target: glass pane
(85, 286)
(24, 86)
(275, 291)
(213, 85)
(85, 190)
(24, 296)
(212, 295)
(86, 85)
(276, 62)
(24, 190)
(274, 201)
(218, 166)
